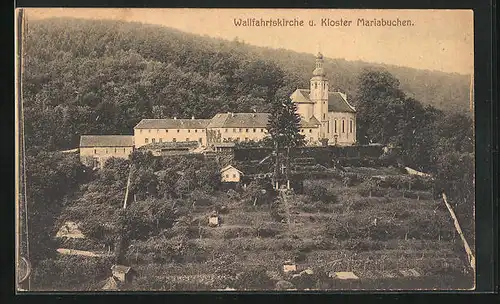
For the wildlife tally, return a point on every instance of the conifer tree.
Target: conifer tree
(284, 124)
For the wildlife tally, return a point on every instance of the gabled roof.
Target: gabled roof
(106, 141)
(171, 123)
(337, 101)
(121, 268)
(229, 167)
(239, 120)
(301, 96)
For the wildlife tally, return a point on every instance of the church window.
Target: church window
(95, 151)
(178, 130)
(153, 140)
(350, 126)
(254, 130)
(324, 116)
(115, 150)
(246, 130)
(315, 85)
(327, 127)
(343, 126)
(335, 126)
(146, 140)
(123, 150)
(189, 130)
(261, 130)
(166, 131)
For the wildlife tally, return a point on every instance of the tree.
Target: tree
(284, 124)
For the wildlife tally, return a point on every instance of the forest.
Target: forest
(102, 77)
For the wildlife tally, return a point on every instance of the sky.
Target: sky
(439, 40)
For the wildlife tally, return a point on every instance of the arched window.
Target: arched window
(335, 126)
(343, 126)
(315, 85)
(350, 126)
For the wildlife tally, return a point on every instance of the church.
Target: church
(326, 109)
(326, 118)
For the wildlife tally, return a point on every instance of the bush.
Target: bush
(317, 192)
(254, 279)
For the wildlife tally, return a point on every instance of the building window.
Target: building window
(227, 175)
(328, 127)
(195, 130)
(261, 130)
(225, 130)
(200, 140)
(115, 150)
(187, 138)
(335, 126)
(254, 130)
(234, 175)
(189, 130)
(324, 116)
(234, 130)
(160, 140)
(146, 140)
(246, 138)
(315, 85)
(202, 130)
(178, 130)
(239, 130)
(343, 126)
(123, 150)
(166, 131)
(350, 126)
(174, 139)
(310, 130)
(95, 151)
(246, 130)
(153, 140)
(106, 151)
(157, 130)
(149, 131)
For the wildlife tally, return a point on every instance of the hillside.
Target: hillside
(390, 236)
(102, 77)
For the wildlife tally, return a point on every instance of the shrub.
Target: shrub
(255, 278)
(317, 192)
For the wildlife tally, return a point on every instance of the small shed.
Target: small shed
(213, 219)
(122, 273)
(230, 174)
(289, 266)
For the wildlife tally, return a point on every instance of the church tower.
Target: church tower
(319, 93)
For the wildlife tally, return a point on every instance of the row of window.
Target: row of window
(351, 126)
(227, 175)
(178, 130)
(236, 130)
(160, 140)
(116, 150)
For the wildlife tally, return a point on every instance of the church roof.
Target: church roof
(171, 123)
(336, 100)
(239, 120)
(313, 122)
(106, 141)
